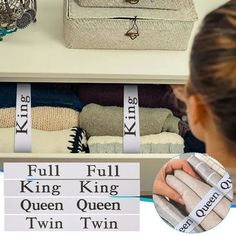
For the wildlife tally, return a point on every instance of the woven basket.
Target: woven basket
(126, 28)
(163, 4)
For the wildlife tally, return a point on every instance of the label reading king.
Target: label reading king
(131, 134)
(23, 118)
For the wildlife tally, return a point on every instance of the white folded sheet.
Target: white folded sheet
(159, 143)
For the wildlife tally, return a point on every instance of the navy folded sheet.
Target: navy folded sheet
(42, 95)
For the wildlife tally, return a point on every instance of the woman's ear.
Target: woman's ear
(198, 116)
(180, 92)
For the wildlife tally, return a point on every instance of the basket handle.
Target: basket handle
(133, 32)
(132, 1)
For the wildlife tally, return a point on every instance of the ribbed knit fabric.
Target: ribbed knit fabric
(65, 141)
(191, 199)
(43, 118)
(159, 143)
(201, 189)
(170, 213)
(108, 121)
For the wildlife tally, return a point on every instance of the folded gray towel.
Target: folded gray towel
(108, 121)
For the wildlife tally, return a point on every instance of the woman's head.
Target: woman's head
(211, 91)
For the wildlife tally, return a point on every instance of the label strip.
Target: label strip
(225, 185)
(23, 142)
(206, 205)
(131, 133)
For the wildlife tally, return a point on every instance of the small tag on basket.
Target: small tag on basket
(131, 138)
(23, 118)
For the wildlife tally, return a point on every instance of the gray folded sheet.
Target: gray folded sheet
(191, 200)
(192, 191)
(170, 213)
(201, 189)
(214, 164)
(208, 175)
(108, 121)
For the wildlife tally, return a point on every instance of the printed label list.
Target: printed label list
(71, 196)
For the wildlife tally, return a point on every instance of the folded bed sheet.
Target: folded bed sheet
(43, 118)
(168, 212)
(191, 199)
(160, 143)
(41, 95)
(201, 189)
(207, 173)
(108, 121)
(65, 141)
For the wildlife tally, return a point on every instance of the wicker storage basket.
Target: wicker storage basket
(124, 28)
(162, 4)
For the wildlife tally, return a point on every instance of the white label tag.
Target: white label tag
(225, 185)
(206, 205)
(187, 225)
(23, 118)
(131, 140)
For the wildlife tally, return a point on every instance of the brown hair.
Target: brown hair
(213, 67)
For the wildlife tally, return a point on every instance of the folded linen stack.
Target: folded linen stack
(170, 214)
(110, 98)
(191, 199)
(207, 173)
(159, 129)
(192, 191)
(55, 113)
(58, 107)
(217, 167)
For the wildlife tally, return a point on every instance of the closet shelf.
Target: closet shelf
(38, 54)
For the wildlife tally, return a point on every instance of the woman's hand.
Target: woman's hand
(160, 186)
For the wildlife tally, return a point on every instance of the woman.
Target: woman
(210, 94)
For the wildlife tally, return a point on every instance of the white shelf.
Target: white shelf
(37, 54)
